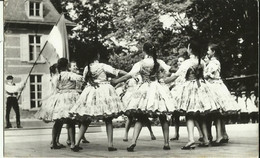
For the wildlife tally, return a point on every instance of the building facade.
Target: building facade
(27, 24)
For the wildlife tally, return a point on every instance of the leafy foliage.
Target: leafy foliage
(140, 21)
(93, 20)
(233, 25)
(118, 29)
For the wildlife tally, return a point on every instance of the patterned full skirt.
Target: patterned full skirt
(221, 93)
(45, 113)
(98, 103)
(58, 105)
(195, 96)
(66, 100)
(150, 98)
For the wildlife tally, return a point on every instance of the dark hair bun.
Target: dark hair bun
(10, 77)
(196, 47)
(148, 47)
(53, 68)
(62, 63)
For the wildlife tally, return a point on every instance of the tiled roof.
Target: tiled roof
(15, 12)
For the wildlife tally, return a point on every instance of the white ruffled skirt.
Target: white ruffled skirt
(100, 102)
(195, 96)
(223, 96)
(45, 113)
(58, 105)
(150, 98)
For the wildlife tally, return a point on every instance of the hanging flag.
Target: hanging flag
(56, 45)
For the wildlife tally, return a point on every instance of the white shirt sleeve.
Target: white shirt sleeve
(14, 88)
(10, 89)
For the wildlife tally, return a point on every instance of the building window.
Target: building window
(35, 9)
(36, 90)
(34, 47)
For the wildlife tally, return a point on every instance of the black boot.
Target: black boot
(8, 125)
(19, 125)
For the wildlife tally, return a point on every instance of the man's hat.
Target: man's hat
(252, 92)
(10, 77)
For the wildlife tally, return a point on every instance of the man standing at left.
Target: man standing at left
(12, 102)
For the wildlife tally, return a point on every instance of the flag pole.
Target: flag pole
(35, 63)
(59, 18)
(31, 70)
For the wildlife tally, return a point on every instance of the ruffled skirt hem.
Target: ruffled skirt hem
(149, 113)
(86, 117)
(195, 96)
(57, 107)
(149, 98)
(98, 103)
(223, 96)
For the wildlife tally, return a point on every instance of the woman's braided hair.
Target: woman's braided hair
(196, 50)
(92, 56)
(149, 48)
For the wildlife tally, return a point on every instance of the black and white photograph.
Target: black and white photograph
(129, 78)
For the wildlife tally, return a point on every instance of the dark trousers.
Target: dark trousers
(12, 102)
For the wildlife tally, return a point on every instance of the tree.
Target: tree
(140, 21)
(57, 5)
(93, 20)
(122, 26)
(234, 26)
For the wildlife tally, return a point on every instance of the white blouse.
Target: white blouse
(213, 69)
(99, 71)
(147, 63)
(185, 65)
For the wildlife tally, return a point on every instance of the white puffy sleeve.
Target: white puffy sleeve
(85, 71)
(54, 82)
(110, 69)
(164, 65)
(183, 68)
(212, 69)
(135, 69)
(75, 77)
